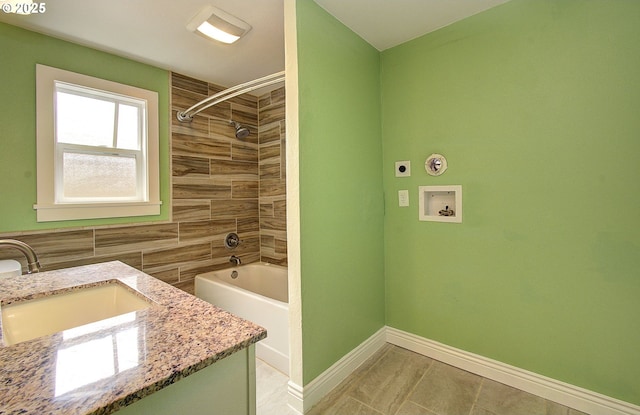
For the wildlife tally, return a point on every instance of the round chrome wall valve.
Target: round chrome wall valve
(435, 164)
(232, 240)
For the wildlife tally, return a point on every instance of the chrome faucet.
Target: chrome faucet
(235, 260)
(32, 259)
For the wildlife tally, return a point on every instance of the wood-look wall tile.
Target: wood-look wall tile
(133, 259)
(272, 187)
(170, 276)
(206, 230)
(181, 99)
(270, 171)
(270, 154)
(200, 189)
(54, 247)
(244, 152)
(220, 255)
(176, 256)
(267, 241)
(133, 238)
(248, 225)
(191, 210)
(188, 272)
(266, 256)
(234, 169)
(272, 168)
(244, 189)
(278, 96)
(188, 145)
(273, 249)
(186, 286)
(188, 83)
(281, 245)
(274, 260)
(245, 114)
(264, 101)
(215, 88)
(189, 166)
(253, 256)
(270, 133)
(232, 209)
(269, 98)
(247, 100)
(266, 209)
(222, 129)
(274, 112)
(273, 223)
(280, 209)
(220, 110)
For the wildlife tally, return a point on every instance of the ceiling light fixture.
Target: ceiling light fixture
(219, 25)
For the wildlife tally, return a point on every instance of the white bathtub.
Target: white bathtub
(258, 294)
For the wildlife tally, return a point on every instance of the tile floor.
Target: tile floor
(396, 381)
(271, 391)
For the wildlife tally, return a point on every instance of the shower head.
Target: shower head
(241, 131)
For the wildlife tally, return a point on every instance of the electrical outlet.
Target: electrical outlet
(403, 168)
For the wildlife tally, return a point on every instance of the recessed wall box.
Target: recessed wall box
(440, 203)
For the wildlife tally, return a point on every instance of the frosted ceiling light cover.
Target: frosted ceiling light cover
(213, 32)
(219, 25)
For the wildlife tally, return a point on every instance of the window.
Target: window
(97, 148)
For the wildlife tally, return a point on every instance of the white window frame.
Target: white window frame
(52, 208)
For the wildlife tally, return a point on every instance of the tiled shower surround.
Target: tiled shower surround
(220, 184)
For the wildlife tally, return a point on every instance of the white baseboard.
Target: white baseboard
(303, 398)
(273, 357)
(563, 393)
(296, 397)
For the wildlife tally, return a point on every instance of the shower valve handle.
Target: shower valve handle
(232, 240)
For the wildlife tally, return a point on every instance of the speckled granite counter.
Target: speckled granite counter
(100, 371)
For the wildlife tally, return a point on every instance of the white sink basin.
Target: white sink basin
(10, 268)
(26, 320)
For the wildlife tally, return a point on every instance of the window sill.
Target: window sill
(50, 213)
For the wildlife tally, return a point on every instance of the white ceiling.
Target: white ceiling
(388, 23)
(154, 31)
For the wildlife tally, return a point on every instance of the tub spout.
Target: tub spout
(235, 260)
(32, 259)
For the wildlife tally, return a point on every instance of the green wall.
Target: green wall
(536, 106)
(20, 51)
(341, 199)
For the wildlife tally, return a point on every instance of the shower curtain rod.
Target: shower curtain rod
(187, 116)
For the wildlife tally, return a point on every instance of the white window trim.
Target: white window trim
(46, 207)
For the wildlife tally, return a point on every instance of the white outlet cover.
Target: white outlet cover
(403, 168)
(403, 198)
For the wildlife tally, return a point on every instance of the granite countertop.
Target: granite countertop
(100, 368)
